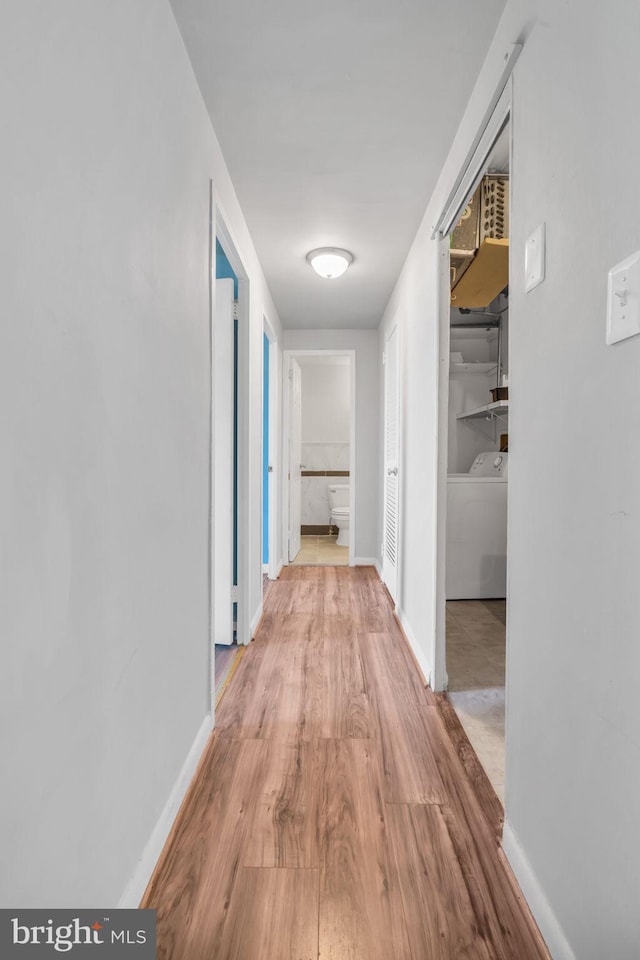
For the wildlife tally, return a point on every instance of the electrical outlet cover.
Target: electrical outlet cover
(534, 256)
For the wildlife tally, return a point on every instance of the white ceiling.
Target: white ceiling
(335, 119)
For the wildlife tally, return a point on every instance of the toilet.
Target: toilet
(340, 511)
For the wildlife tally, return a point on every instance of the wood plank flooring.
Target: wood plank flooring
(331, 817)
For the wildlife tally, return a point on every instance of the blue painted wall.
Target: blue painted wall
(224, 270)
(265, 453)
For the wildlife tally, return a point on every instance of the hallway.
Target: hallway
(331, 816)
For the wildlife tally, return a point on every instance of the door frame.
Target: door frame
(468, 177)
(227, 242)
(394, 325)
(286, 400)
(219, 230)
(293, 440)
(273, 498)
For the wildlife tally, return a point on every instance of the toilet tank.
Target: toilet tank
(338, 495)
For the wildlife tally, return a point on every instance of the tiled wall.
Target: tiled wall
(315, 497)
(325, 456)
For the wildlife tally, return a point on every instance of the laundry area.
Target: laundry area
(478, 461)
(478, 455)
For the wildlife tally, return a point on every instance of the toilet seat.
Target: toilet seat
(341, 518)
(340, 507)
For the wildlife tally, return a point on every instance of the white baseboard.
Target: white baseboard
(255, 620)
(146, 864)
(365, 562)
(277, 568)
(535, 896)
(423, 663)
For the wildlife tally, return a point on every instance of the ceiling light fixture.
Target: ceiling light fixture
(329, 262)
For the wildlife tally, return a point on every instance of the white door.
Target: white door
(391, 450)
(295, 456)
(222, 466)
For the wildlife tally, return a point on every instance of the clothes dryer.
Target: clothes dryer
(477, 530)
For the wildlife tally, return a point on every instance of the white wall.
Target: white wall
(573, 634)
(467, 439)
(326, 399)
(104, 392)
(366, 543)
(573, 715)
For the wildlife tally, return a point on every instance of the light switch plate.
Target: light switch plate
(623, 299)
(534, 259)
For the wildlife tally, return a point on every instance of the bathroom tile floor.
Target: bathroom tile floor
(321, 550)
(475, 665)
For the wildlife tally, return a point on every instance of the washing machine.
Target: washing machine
(477, 530)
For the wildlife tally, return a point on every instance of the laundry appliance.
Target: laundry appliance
(477, 530)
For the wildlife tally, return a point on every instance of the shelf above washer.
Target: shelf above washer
(473, 366)
(487, 412)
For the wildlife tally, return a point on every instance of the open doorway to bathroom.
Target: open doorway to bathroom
(319, 410)
(475, 408)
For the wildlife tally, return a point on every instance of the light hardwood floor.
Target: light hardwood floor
(332, 815)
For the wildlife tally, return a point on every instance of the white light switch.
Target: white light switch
(623, 299)
(534, 259)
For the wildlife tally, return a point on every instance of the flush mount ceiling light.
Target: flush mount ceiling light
(329, 262)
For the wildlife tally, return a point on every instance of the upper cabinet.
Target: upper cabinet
(480, 246)
(486, 277)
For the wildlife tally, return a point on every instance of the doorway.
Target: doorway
(319, 451)
(270, 470)
(228, 460)
(474, 453)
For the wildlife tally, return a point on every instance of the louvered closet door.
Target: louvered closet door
(391, 452)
